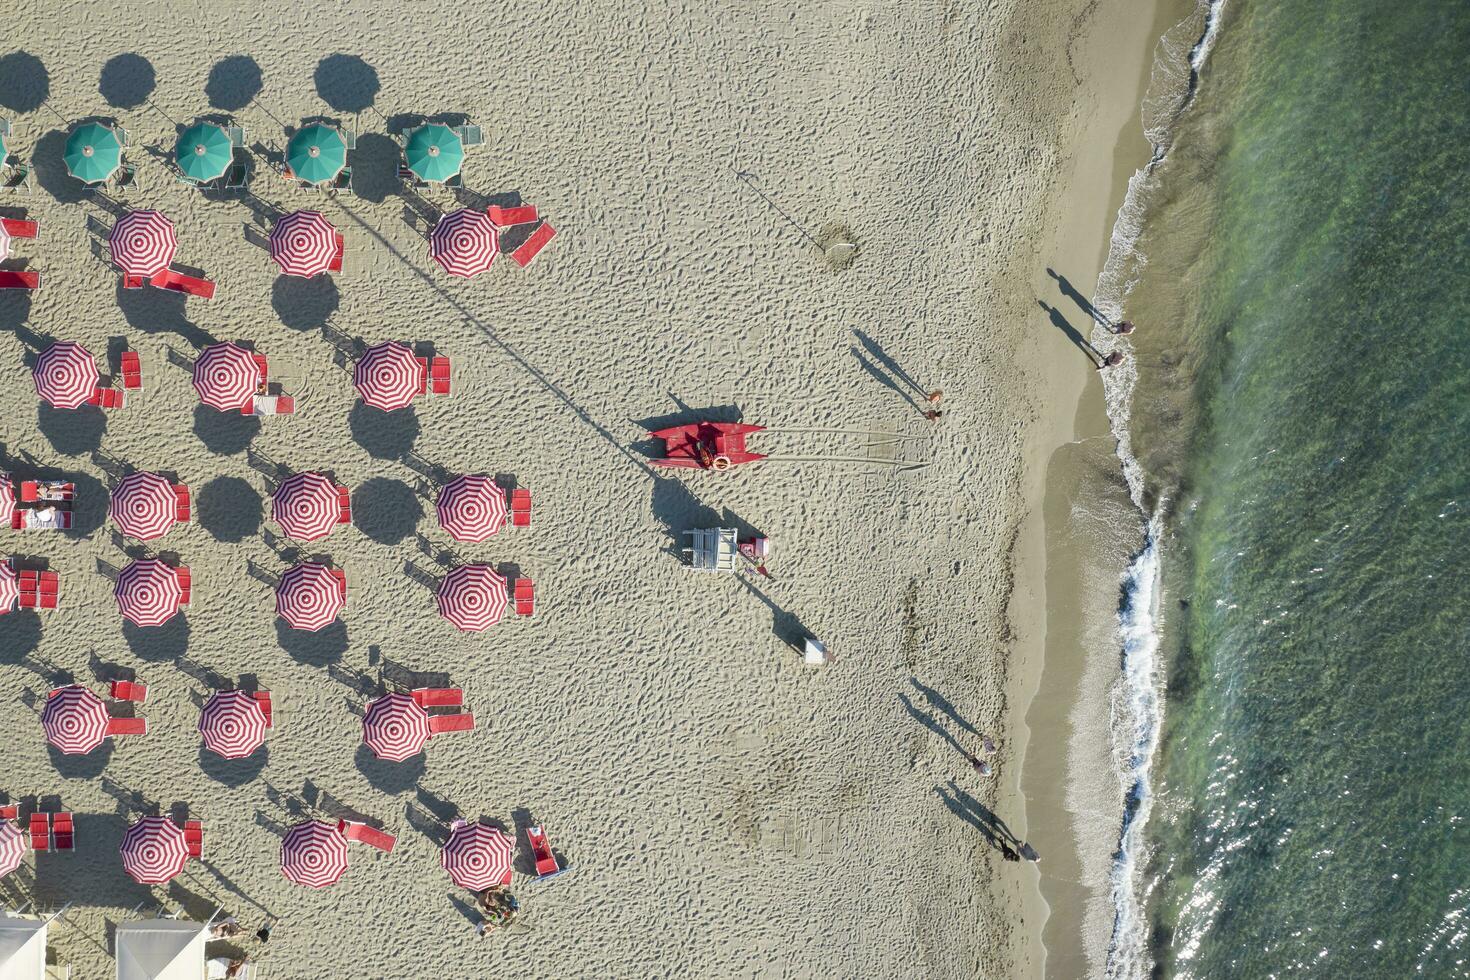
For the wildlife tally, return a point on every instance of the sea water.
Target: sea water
(1293, 712)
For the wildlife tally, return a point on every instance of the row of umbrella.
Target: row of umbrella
(309, 596)
(313, 853)
(316, 153)
(233, 724)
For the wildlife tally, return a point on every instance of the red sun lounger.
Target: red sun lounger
(30, 491)
(108, 398)
(129, 691)
(285, 405)
(364, 834)
(134, 282)
(462, 722)
(40, 832)
(424, 374)
(336, 263)
(10, 812)
(439, 375)
(546, 863)
(523, 255)
(263, 698)
(520, 507)
(15, 279)
(186, 582)
(438, 697)
(180, 283)
(132, 369)
(341, 578)
(63, 837)
(127, 726)
(263, 365)
(508, 217)
(50, 583)
(525, 597)
(181, 512)
(344, 502)
(20, 229)
(194, 837)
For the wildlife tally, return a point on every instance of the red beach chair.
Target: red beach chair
(180, 283)
(546, 863)
(285, 405)
(344, 501)
(30, 491)
(336, 263)
(525, 597)
(127, 726)
(132, 369)
(50, 583)
(341, 578)
(261, 363)
(364, 834)
(134, 282)
(424, 375)
(194, 837)
(10, 812)
(439, 375)
(62, 834)
(17, 520)
(523, 255)
(186, 582)
(107, 398)
(28, 580)
(263, 698)
(438, 697)
(507, 217)
(520, 507)
(129, 691)
(16, 228)
(13, 279)
(462, 722)
(181, 512)
(40, 832)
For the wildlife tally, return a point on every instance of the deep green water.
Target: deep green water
(1312, 808)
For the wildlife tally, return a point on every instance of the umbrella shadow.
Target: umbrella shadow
(321, 648)
(127, 81)
(233, 772)
(385, 435)
(155, 643)
(387, 511)
(305, 304)
(392, 778)
(50, 170)
(87, 767)
(346, 82)
(229, 508)
(71, 431)
(233, 83)
(224, 433)
(24, 82)
(375, 168)
(20, 635)
(154, 311)
(15, 309)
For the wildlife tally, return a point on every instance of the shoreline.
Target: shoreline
(1068, 560)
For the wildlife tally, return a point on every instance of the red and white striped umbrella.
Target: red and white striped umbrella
(9, 590)
(395, 727)
(314, 854)
(306, 506)
(75, 720)
(13, 847)
(303, 243)
(148, 592)
(472, 508)
(65, 375)
(233, 724)
(464, 243)
(308, 596)
(143, 242)
(478, 856)
(473, 597)
(226, 376)
(7, 496)
(388, 376)
(154, 850)
(144, 505)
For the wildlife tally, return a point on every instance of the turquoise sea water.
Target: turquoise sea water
(1311, 811)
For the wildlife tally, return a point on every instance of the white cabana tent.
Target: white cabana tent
(22, 948)
(161, 949)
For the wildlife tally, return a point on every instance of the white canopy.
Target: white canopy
(160, 949)
(22, 948)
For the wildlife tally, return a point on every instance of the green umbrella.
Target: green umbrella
(434, 152)
(93, 152)
(317, 153)
(204, 151)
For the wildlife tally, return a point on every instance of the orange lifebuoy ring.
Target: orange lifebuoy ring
(722, 462)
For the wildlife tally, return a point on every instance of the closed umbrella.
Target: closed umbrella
(303, 243)
(93, 151)
(75, 720)
(473, 597)
(464, 243)
(9, 591)
(434, 152)
(308, 596)
(143, 243)
(306, 506)
(65, 375)
(388, 376)
(154, 850)
(148, 592)
(478, 856)
(314, 854)
(13, 847)
(144, 505)
(395, 727)
(317, 153)
(226, 377)
(204, 151)
(233, 724)
(471, 508)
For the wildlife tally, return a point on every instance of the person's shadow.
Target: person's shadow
(1070, 291)
(1060, 322)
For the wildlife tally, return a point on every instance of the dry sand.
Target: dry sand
(730, 812)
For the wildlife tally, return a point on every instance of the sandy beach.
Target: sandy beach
(728, 811)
